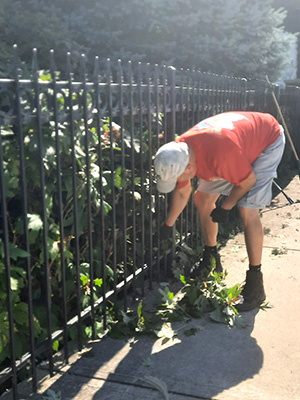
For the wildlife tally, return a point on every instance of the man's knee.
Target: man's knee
(249, 214)
(205, 201)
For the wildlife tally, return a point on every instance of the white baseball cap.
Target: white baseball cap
(170, 162)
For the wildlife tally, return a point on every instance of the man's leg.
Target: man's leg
(253, 232)
(205, 203)
(253, 292)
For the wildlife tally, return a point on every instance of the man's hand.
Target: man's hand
(164, 238)
(219, 214)
(165, 232)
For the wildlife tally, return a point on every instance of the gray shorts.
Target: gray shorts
(265, 169)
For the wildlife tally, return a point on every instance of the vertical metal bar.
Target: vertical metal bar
(216, 77)
(25, 224)
(75, 200)
(149, 123)
(181, 116)
(235, 88)
(43, 208)
(193, 98)
(140, 107)
(123, 177)
(88, 189)
(208, 95)
(246, 97)
(7, 275)
(186, 220)
(112, 163)
(187, 116)
(60, 208)
(230, 102)
(171, 132)
(212, 94)
(198, 120)
(232, 89)
(202, 96)
(243, 94)
(193, 123)
(102, 211)
(157, 197)
(222, 94)
(181, 130)
(198, 96)
(227, 105)
(164, 80)
(165, 103)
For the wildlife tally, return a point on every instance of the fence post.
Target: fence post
(46, 267)
(8, 280)
(171, 79)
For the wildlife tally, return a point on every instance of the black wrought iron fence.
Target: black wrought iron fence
(80, 214)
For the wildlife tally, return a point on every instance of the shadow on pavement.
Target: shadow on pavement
(203, 365)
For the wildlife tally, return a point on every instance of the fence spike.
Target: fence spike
(69, 66)
(52, 65)
(120, 71)
(15, 60)
(108, 70)
(34, 62)
(96, 69)
(83, 66)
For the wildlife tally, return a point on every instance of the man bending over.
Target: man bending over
(235, 154)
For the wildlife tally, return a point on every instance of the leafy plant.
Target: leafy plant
(206, 294)
(109, 184)
(277, 251)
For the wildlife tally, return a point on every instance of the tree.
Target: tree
(291, 23)
(224, 36)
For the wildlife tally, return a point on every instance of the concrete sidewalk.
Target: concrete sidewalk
(259, 361)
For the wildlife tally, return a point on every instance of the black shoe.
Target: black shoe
(253, 292)
(210, 261)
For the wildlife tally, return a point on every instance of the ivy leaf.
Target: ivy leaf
(55, 345)
(140, 309)
(167, 295)
(14, 283)
(118, 178)
(15, 252)
(98, 282)
(21, 314)
(107, 207)
(125, 317)
(166, 332)
(217, 315)
(34, 222)
(84, 279)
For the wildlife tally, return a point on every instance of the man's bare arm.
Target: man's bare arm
(179, 201)
(238, 192)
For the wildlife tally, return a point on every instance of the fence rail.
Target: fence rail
(80, 215)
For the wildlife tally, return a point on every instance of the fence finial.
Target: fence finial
(96, 68)
(34, 62)
(52, 65)
(69, 67)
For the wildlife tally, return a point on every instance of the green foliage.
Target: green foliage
(117, 177)
(207, 294)
(235, 37)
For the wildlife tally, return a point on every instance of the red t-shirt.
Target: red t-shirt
(226, 144)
